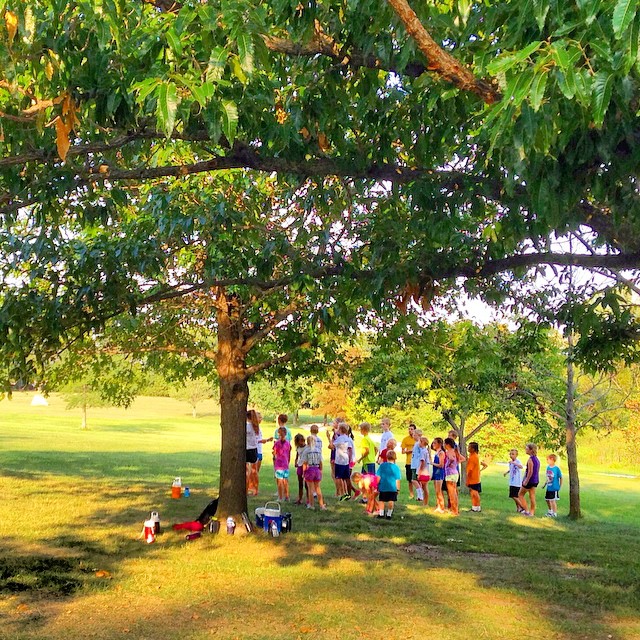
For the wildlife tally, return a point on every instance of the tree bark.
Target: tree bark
(234, 394)
(84, 407)
(440, 62)
(575, 511)
(462, 446)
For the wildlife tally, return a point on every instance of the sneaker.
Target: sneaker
(388, 517)
(298, 501)
(345, 497)
(323, 507)
(309, 507)
(528, 514)
(380, 517)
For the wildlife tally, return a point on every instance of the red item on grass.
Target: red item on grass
(189, 526)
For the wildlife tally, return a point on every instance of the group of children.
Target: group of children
(438, 462)
(522, 487)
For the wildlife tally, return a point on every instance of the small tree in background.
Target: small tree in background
(331, 398)
(272, 397)
(473, 376)
(194, 391)
(81, 395)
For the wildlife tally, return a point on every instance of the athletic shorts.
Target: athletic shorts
(370, 467)
(313, 474)
(453, 477)
(299, 472)
(530, 485)
(282, 474)
(438, 474)
(388, 496)
(414, 474)
(343, 472)
(552, 495)
(423, 478)
(252, 456)
(513, 491)
(475, 487)
(408, 472)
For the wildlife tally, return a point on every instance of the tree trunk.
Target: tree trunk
(194, 412)
(234, 394)
(84, 407)
(462, 447)
(575, 511)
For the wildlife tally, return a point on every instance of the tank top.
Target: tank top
(450, 464)
(438, 472)
(535, 472)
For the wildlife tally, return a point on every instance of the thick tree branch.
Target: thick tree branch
(51, 155)
(135, 350)
(323, 45)
(439, 61)
(268, 326)
(477, 428)
(490, 268)
(261, 366)
(22, 119)
(169, 6)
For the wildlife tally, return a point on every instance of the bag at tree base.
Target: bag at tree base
(208, 512)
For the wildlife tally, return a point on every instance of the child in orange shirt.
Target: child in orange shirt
(474, 467)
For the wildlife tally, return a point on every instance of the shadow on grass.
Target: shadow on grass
(559, 570)
(576, 576)
(568, 570)
(120, 466)
(45, 575)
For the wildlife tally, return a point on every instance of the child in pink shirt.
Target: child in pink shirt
(281, 458)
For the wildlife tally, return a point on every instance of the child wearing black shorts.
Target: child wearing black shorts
(389, 475)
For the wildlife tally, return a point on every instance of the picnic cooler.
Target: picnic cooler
(271, 513)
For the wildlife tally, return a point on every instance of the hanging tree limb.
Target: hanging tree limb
(440, 62)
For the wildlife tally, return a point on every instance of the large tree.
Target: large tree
(266, 169)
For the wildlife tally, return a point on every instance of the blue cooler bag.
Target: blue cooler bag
(271, 513)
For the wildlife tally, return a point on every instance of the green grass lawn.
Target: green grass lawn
(72, 565)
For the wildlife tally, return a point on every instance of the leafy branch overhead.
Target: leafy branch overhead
(407, 146)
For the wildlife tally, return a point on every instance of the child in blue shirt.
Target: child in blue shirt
(389, 475)
(553, 484)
